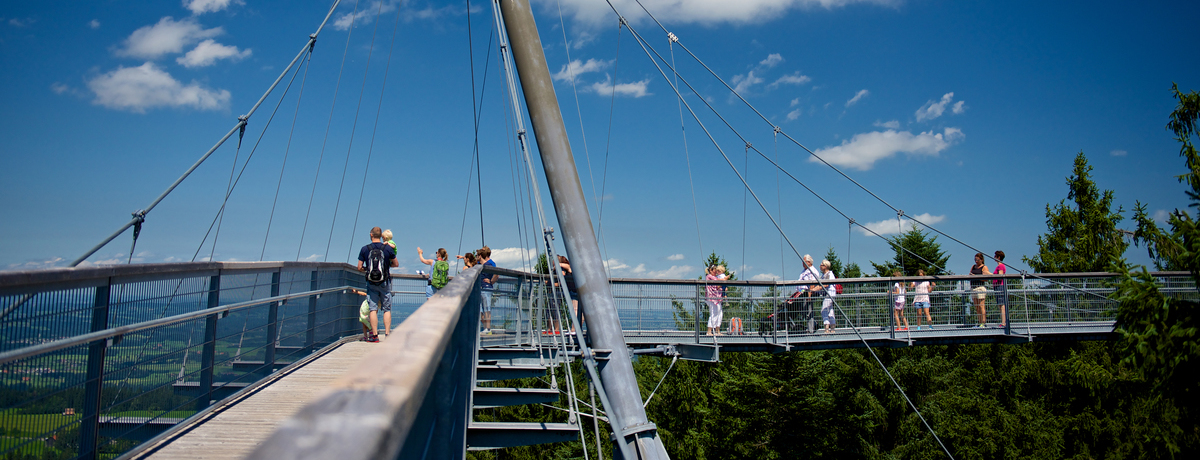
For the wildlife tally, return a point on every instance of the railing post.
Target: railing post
(696, 313)
(89, 425)
(209, 357)
(272, 319)
(310, 333)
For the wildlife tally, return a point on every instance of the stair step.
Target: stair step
(255, 365)
(486, 398)
(492, 372)
(499, 435)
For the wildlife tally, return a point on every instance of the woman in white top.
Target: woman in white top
(921, 300)
(827, 312)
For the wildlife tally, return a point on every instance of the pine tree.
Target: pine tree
(835, 264)
(914, 250)
(1082, 237)
(1160, 333)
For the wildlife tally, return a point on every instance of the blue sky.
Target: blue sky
(967, 114)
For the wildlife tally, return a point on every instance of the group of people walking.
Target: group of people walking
(822, 285)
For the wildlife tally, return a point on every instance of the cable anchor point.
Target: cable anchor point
(622, 22)
(671, 37)
(139, 216)
(312, 42)
(852, 221)
(778, 130)
(243, 121)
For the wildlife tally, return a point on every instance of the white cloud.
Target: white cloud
(933, 109)
(208, 52)
(893, 124)
(59, 88)
(742, 83)
(632, 89)
(365, 12)
(312, 258)
(167, 36)
(863, 150)
(94, 24)
(794, 79)
(54, 262)
(16, 22)
(892, 227)
(1118, 153)
(514, 258)
(674, 273)
(614, 264)
(794, 114)
(707, 12)
(764, 277)
(576, 68)
(1162, 215)
(208, 6)
(857, 97)
(795, 102)
(146, 86)
(675, 257)
(771, 60)
(959, 107)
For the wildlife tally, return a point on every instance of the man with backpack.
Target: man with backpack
(439, 271)
(376, 261)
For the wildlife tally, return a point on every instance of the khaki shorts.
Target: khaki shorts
(980, 293)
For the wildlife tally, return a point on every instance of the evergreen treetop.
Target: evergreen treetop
(1082, 237)
(914, 250)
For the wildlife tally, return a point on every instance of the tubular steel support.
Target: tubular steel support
(209, 357)
(89, 425)
(604, 327)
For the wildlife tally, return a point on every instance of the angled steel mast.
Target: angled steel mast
(627, 417)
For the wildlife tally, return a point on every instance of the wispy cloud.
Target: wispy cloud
(697, 11)
(794, 114)
(675, 257)
(892, 124)
(933, 109)
(863, 150)
(764, 277)
(198, 7)
(167, 36)
(793, 79)
(1118, 153)
(18, 22)
(894, 226)
(208, 52)
(368, 11)
(147, 86)
(94, 24)
(772, 60)
(632, 89)
(857, 97)
(576, 68)
(742, 83)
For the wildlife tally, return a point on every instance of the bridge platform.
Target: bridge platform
(234, 429)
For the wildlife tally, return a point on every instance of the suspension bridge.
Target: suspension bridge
(263, 359)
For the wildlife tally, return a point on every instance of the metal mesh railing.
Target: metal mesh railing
(96, 361)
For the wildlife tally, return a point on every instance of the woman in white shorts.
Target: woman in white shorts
(978, 291)
(921, 299)
(898, 302)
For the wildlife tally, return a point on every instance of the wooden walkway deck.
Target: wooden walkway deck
(233, 431)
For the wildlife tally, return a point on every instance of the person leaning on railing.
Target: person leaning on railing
(978, 290)
(808, 292)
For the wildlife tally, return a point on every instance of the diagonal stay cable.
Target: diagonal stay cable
(337, 204)
(819, 282)
(236, 180)
(612, 103)
(321, 158)
(286, 151)
(375, 129)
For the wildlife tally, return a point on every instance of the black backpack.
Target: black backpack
(376, 268)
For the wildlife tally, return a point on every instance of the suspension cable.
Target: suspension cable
(286, 151)
(608, 147)
(375, 129)
(321, 158)
(819, 282)
(337, 203)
